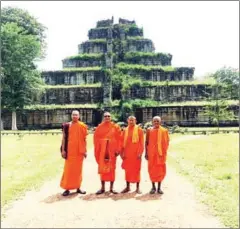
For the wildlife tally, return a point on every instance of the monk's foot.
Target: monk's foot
(153, 190)
(113, 192)
(81, 191)
(138, 191)
(99, 192)
(125, 190)
(66, 193)
(160, 191)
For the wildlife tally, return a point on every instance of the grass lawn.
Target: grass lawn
(27, 162)
(212, 164)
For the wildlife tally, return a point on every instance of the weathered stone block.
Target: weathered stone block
(78, 95)
(98, 33)
(184, 116)
(71, 78)
(92, 47)
(105, 23)
(74, 63)
(171, 93)
(143, 45)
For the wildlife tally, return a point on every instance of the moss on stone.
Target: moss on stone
(96, 85)
(86, 57)
(125, 66)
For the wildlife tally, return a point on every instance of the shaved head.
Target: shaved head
(131, 120)
(106, 113)
(106, 117)
(75, 112)
(156, 121)
(75, 115)
(132, 117)
(157, 118)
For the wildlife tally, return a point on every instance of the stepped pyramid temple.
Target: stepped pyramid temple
(118, 70)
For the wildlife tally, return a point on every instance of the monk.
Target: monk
(157, 142)
(132, 149)
(73, 150)
(107, 144)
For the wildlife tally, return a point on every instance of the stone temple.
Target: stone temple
(118, 70)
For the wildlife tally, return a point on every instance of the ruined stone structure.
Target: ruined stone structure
(114, 56)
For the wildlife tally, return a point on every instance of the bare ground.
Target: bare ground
(176, 208)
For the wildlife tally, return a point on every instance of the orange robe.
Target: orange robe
(157, 156)
(132, 164)
(107, 138)
(77, 147)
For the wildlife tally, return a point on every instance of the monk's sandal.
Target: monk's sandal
(81, 192)
(66, 193)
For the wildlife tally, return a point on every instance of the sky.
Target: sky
(202, 34)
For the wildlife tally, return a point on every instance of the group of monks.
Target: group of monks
(109, 143)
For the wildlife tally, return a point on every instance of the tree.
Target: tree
(21, 82)
(229, 78)
(225, 87)
(29, 24)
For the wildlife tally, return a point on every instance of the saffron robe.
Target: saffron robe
(131, 150)
(77, 147)
(158, 142)
(107, 138)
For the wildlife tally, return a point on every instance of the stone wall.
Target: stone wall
(180, 74)
(75, 63)
(171, 93)
(47, 119)
(105, 23)
(125, 21)
(72, 78)
(143, 45)
(134, 32)
(183, 116)
(77, 95)
(150, 60)
(97, 33)
(92, 47)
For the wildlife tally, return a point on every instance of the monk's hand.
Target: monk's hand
(63, 154)
(139, 156)
(146, 156)
(85, 155)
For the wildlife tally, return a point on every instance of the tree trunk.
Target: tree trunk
(14, 120)
(2, 128)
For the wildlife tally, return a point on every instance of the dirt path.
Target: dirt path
(177, 208)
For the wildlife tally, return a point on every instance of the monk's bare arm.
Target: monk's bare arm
(167, 140)
(118, 138)
(63, 144)
(141, 142)
(122, 142)
(85, 139)
(146, 144)
(96, 153)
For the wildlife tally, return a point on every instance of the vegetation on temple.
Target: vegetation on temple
(72, 86)
(87, 57)
(139, 55)
(84, 69)
(138, 67)
(128, 68)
